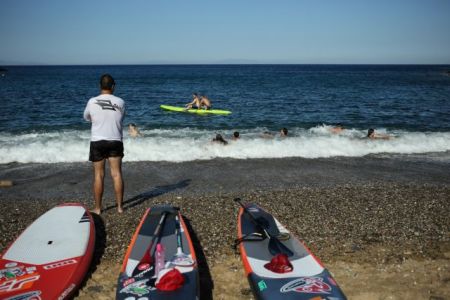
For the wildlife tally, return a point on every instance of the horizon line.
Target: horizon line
(227, 64)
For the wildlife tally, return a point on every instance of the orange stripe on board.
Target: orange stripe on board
(188, 237)
(247, 267)
(310, 253)
(133, 240)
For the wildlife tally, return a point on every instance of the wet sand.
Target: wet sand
(380, 225)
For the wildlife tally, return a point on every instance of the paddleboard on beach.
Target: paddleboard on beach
(50, 259)
(195, 110)
(160, 226)
(270, 276)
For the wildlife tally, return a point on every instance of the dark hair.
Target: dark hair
(236, 134)
(194, 95)
(107, 82)
(370, 131)
(285, 131)
(339, 125)
(219, 138)
(132, 125)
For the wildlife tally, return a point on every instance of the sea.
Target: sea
(41, 118)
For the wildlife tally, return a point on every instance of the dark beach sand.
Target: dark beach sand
(380, 225)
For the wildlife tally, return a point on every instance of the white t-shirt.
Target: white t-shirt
(106, 113)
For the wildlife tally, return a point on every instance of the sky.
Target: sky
(58, 32)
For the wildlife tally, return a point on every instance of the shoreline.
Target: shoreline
(205, 177)
(371, 221)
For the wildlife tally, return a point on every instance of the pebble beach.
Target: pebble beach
(380, 225)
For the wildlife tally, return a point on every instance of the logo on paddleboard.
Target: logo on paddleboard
(17, 277)
(138, 288)
(60, 264)
(34, 295)
(313, 285)
(67, 291)
(262, 285)
(143, 266)
(19, 283)
(253, 209)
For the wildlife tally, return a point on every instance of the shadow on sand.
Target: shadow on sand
(155, 192)
(99, 248)
(206, 282)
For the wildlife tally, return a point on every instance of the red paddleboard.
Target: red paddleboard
(50, 259)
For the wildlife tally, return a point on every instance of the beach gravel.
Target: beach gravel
(371, 225)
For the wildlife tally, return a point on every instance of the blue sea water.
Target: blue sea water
(42, 109)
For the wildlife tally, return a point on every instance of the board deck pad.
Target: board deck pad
(308, 279)
(140, 283)
(195, 110)
(51, 257)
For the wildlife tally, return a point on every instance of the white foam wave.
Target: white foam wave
(193, 144)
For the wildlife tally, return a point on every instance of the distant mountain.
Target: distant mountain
(237, 62)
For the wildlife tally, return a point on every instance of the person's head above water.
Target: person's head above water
(284, 131)
(219, 139)
(338, 128)
(133, 130)
(370, 132)
(236, 134)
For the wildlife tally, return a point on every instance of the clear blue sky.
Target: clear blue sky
(229, 31)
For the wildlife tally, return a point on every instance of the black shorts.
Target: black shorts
(99, 150)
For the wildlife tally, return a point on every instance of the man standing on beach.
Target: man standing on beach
(106, 113)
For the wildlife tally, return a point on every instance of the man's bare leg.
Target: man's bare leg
(115, 164)
(99, 175)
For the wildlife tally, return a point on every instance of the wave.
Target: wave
(187, 144)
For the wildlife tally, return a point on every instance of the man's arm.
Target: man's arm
(86, 114)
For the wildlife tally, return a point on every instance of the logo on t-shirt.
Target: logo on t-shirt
(107, 105)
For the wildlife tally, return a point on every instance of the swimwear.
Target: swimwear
(100, 150)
